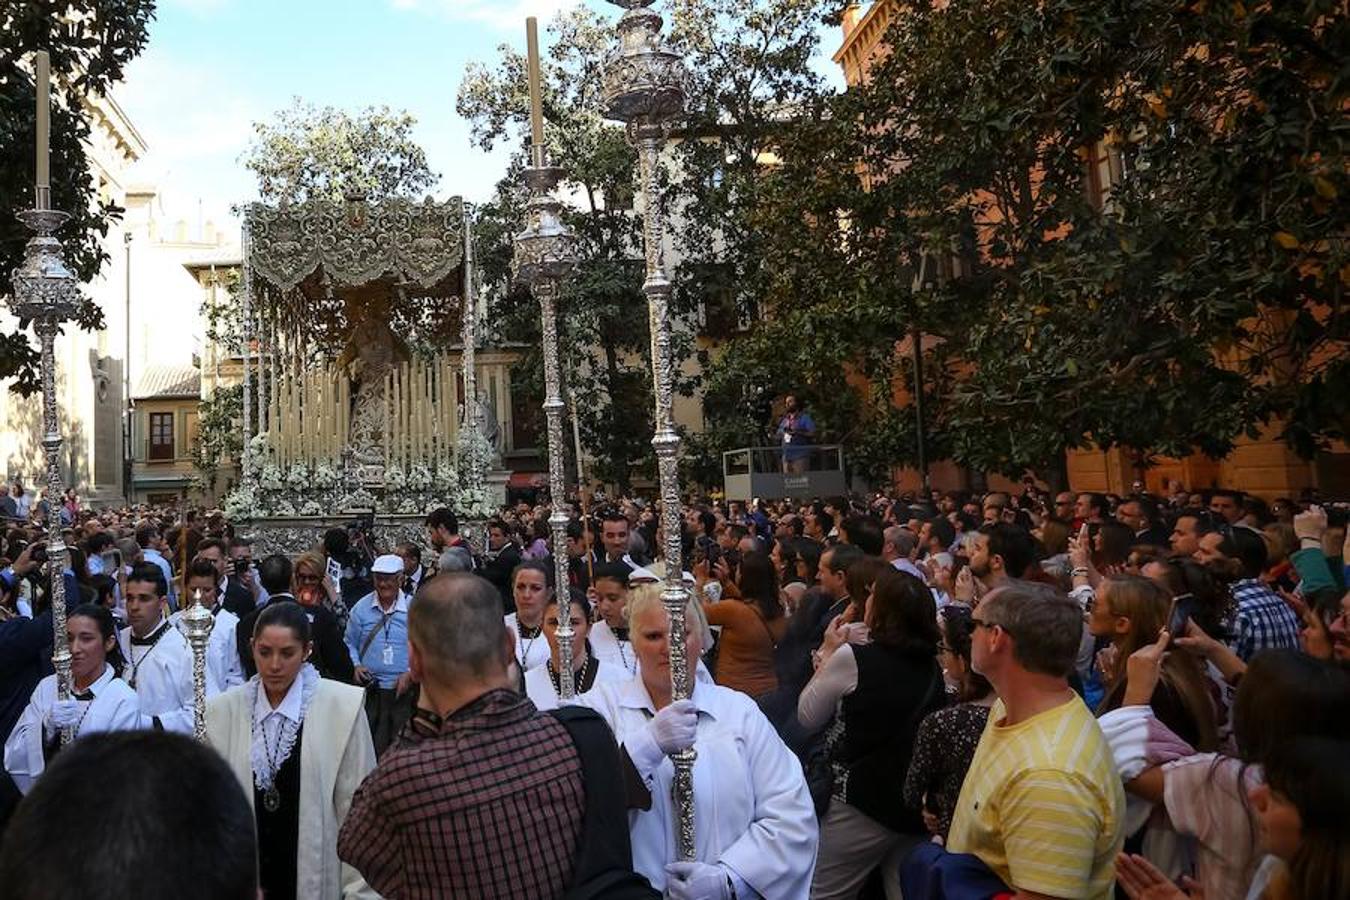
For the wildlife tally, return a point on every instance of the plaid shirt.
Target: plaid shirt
(1264, 621)
(489, 808)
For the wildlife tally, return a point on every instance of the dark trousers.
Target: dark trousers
(388, 713)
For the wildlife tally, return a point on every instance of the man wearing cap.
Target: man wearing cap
(377, 639)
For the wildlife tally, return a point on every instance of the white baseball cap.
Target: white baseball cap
(388, 564)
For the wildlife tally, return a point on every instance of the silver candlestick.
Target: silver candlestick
(46, 293)
(644, 87)
(197, 624)
(544, 254)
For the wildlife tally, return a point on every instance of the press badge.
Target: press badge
(388, 654)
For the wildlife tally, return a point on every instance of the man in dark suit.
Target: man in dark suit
(233, 595)
(330, 655)
(500, 561)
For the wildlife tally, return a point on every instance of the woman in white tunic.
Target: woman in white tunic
(754, 826)
(532, 590)
(101, 701)
(300, 746)
(588, 670)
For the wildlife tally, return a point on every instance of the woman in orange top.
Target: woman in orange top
(752, 625)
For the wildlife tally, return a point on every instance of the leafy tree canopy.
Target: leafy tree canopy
(322, 153)
(90, 45)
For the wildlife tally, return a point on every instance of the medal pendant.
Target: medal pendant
(271, 800)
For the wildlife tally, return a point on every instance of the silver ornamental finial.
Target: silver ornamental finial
(197, 624)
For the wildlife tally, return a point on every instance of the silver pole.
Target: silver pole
(474, 476)
(644, 87)
(46, 293)
(545, 254)
(245, 328)
(197, 624)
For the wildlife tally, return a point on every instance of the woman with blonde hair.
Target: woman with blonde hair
(312, 586)
(754, 829)
(1131, 612)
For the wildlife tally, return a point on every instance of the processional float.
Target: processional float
(354, 402)
(643, 88)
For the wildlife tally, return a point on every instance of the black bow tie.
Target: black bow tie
(86, 696)
(150, 639)
(620, 633)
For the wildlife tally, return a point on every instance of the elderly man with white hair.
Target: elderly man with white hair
(754, 825)
(377, 639)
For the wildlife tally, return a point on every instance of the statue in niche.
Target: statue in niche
(372, 352)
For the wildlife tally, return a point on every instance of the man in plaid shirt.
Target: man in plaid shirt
(1263, 621)
(482, 795)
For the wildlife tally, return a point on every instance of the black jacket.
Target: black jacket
(330, 651)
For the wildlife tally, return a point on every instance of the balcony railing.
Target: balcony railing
(809, 470)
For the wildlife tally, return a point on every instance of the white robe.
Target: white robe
(609, 649)
(539, 685)
(163, 679)
(530, 652)
(223, 668)
(336, 754)
(114, 708)
(752, 810)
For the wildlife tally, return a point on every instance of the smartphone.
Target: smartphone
(112, 561)
(39, 554)
(241, 565)
(1182, 610)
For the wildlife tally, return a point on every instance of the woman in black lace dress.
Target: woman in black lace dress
(947, 738)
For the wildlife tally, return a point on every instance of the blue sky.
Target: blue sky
(213, 67)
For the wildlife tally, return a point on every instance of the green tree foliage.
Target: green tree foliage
(311, 153)
(90, 45)
(603, 314)
(1199, 299)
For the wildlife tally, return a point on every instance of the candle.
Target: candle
(43, 65)
(388, 418)
(536, 101)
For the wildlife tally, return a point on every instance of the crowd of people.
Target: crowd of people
(1068, 695)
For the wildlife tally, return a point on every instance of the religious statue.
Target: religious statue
(371, 353)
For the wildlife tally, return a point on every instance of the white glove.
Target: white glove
(64, 713)
(674, 727)
(696, 881)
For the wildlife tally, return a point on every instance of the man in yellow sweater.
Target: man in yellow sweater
(1042, 803)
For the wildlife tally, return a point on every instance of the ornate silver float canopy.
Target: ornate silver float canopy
(355, 242)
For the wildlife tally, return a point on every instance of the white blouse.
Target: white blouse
(114, 708)
(752, 811)
(530, 652)
(161, 675)
(609, 649)
(539, 684)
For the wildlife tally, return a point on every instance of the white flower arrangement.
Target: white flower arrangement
(298, 477)
(283, 508)
(270, 478)
(312, 508)
(394, 479)
(359, 499)
(325, 477)
(419, 477)
(241, 504)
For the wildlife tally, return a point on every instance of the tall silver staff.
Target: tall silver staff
(544, 255)
(46, 293)
(644, 87)
(197, 624)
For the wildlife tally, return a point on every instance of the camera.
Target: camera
(241, 565)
